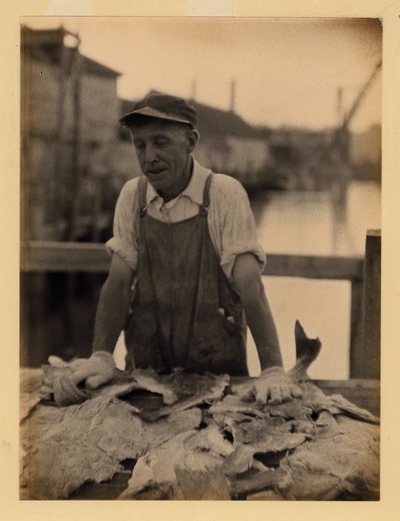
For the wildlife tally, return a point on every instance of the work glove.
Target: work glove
(95, 371)
(273, 386)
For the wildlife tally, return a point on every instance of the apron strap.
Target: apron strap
(206, 195)
(142, 194)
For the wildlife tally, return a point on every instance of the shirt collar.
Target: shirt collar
(194, 189)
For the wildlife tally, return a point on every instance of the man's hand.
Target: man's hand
(95, 371)
(273, 386)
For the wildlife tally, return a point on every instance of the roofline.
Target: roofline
(102, 69)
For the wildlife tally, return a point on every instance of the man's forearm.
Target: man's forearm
(246, 274)
(113, 306)
(261, 323)
(110, 318)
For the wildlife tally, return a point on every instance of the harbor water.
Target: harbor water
(306, 223)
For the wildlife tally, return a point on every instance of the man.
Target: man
(185, 264)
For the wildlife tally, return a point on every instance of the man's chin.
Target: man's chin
(156, 178)
(158, 182)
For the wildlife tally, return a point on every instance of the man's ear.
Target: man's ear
(193, 139)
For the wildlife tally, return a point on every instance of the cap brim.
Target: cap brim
(127, 119)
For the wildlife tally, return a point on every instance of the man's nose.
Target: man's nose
(151, 154)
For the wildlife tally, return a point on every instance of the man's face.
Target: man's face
(163, 150)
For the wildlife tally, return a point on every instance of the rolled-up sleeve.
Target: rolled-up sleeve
(125, 228)
(232, 223)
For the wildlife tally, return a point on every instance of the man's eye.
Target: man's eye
(161, 143)
(140, 146)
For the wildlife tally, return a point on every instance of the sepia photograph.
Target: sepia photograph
(200, 276)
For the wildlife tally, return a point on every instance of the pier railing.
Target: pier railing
(362, 273)
(69, 257)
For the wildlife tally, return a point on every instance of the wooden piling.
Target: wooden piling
(372, 306)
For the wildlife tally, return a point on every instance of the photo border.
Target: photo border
(388, 507)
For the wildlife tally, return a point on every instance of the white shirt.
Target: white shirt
(230, 219)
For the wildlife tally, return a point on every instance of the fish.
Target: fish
(203, 442)
(211, 393)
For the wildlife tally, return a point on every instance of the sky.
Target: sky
(286, 72)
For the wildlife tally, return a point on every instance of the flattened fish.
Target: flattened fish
(318, 447)
(65, 447)
(206, 389)
(345, 407)
(346, 464)
(32, 390)
(154, 476)
(87, 444)
(121, 384)
(189, 389)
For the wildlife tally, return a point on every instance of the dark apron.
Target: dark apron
(176, 319)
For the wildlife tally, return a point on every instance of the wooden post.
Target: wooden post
(34, 345)
(76, 144)
(54, 205)
(372, 305)
(76, 74)
(357, 328)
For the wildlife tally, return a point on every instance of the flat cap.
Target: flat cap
(162, 106)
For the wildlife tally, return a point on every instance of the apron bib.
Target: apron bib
(176, 318)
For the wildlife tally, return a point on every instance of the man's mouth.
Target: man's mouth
(156, 171)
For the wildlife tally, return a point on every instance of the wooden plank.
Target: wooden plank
(372, 305)
(64, 257)
(362, 392)
(92, 257)
(314, 267)
(361, 384)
